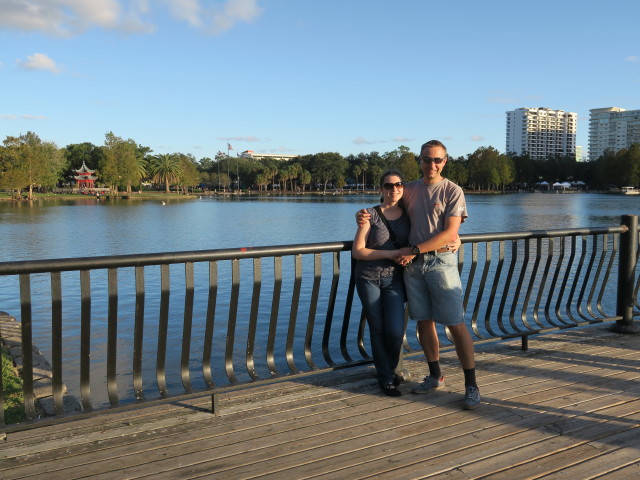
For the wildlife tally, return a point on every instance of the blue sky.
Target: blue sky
(308, 76)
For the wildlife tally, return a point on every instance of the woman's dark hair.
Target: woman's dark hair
(391, 171)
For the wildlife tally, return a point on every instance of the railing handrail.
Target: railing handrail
(165, 258)
(538, 284)
(145, 259)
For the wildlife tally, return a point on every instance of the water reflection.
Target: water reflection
(61, 228)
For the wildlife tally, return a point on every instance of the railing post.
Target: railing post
(626, 275)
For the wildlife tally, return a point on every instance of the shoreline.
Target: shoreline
(255, 193)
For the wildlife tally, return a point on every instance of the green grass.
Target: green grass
(12, 386)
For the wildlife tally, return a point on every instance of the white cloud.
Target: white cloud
(188, 10)
(25, 117)
(60, 17)
(362, 141)
(71, 17)
(477, 138)
(633, 58)
(39, 61)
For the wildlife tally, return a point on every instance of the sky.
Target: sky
(308, 76)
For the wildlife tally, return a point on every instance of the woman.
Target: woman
(379, 279)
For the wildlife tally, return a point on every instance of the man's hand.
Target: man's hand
(362, 217)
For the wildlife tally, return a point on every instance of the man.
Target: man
(436, 207)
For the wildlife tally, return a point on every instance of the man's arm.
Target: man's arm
(441, 239)
(361, 252)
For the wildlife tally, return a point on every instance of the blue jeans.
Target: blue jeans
(383, 305)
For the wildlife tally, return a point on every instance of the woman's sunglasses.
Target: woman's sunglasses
(389, 186)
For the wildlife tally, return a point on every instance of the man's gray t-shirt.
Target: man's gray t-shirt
(429, 205)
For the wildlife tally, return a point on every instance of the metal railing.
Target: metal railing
(129, 329)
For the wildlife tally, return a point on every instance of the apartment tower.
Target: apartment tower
(612, 128)
(541, 132)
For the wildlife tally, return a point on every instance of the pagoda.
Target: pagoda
(85, 177)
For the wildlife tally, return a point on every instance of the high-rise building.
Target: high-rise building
(612, 128)
(541, 132)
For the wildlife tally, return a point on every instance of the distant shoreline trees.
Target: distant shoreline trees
(27, 163)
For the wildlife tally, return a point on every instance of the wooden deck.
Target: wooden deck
(569, 408)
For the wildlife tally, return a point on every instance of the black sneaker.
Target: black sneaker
(391, 390)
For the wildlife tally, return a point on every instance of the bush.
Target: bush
(12, 386)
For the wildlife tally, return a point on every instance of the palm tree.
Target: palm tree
(363, 169)
(165, 168)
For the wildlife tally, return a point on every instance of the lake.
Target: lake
(62, 228)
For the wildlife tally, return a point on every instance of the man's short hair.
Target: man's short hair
(433, 143)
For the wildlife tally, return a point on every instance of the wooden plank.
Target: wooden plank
(573, 442)
(609, 453)
(627, 472)
(558, 406)
(420, 457)
(102, 442)
(411, 425)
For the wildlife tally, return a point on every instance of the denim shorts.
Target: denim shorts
(434, 290)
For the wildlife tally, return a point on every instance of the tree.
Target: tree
(122, 165)
(489, 169)
(408, 165)
(525, 170)
(356, 172)
(262, 180)
(456, 171)
(376, 172)
(207, 164)
(328, 167)
(165, 168)
(363, 169)
(296, 170)
(621, 168)
(188, 175)
(283, 176)
(28, 162)
(305, 178)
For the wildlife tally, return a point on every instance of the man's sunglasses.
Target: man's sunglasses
(437, 161)
(389, 186)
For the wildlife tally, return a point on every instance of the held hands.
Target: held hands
(404, 257)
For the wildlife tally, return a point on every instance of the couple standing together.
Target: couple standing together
(407, 244)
